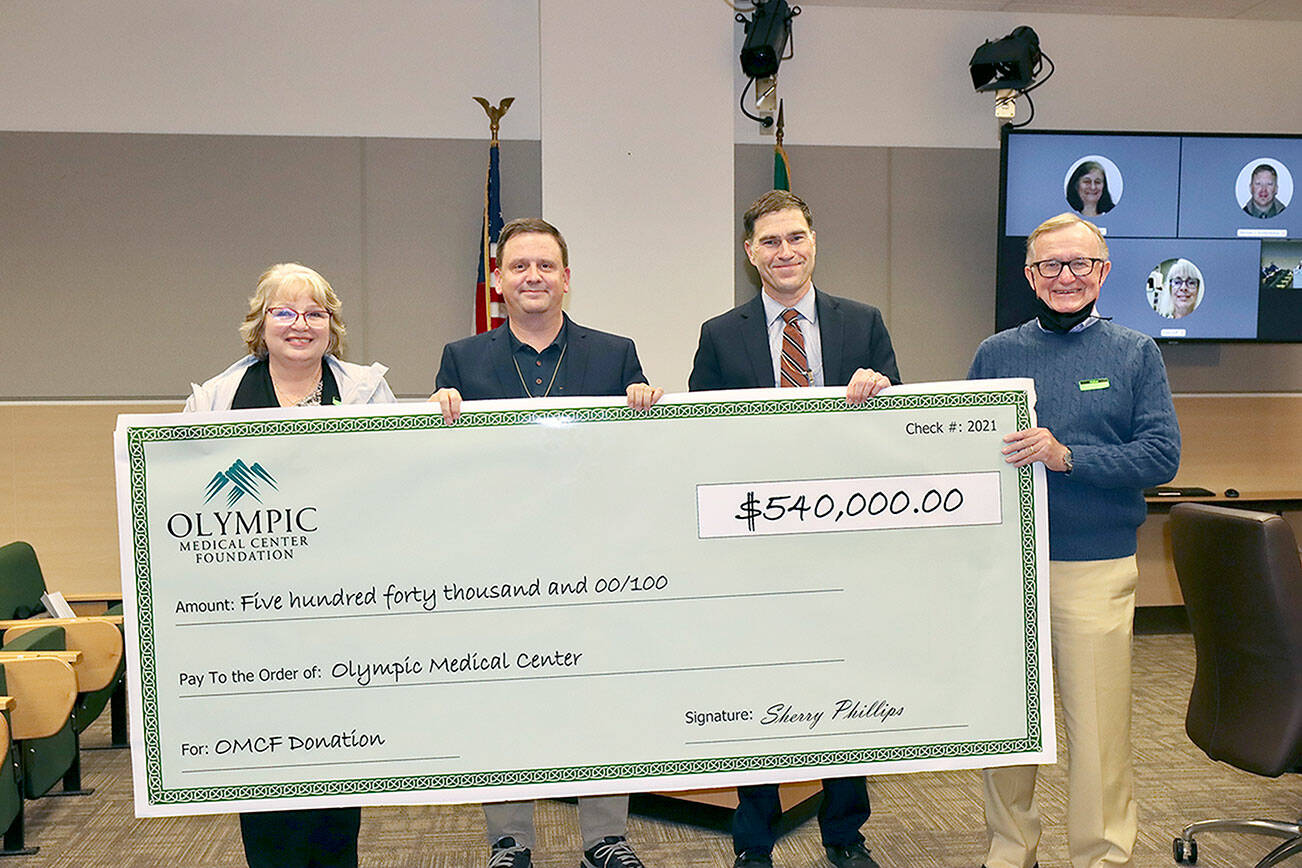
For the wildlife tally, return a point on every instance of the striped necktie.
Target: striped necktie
(794, 366)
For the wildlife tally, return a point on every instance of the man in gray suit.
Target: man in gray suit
(794, 335)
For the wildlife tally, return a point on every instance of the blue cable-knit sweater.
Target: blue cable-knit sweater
(1123, 438)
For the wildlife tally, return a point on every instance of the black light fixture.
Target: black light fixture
(1011, 63)
(767, 33)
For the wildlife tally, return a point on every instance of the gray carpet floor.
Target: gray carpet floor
(926, 820)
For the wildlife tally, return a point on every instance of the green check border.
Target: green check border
(138, 437)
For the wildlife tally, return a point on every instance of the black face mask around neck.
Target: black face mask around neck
(1061, 322)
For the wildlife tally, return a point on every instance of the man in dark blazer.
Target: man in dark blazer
(795, 335)
(539, 352)
(595, 364)
(848, 344)
(734, 347)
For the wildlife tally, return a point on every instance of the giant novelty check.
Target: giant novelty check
(363, 605)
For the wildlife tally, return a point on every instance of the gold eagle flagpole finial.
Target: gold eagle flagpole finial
(495, 114)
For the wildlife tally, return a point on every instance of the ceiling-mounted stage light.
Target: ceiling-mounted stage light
(767, 33)
(1011, 63)
(1011, 68)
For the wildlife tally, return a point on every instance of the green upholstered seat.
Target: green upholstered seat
(21, 585)
(11, 795)
(45, 761)
(21, 582)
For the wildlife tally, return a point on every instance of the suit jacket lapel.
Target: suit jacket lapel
(574, 371)
(755, 341)
(508, 378)
(831, 333)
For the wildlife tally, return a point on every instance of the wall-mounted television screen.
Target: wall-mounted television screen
(1204, 230)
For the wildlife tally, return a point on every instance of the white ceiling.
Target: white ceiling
(1254, 10)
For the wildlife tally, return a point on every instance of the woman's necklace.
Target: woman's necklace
(309, 399)
(520, 373)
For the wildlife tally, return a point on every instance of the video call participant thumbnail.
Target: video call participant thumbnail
(1181, 291)
(1263, 187)
(1087, 190)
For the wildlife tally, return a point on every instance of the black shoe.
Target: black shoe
(753, 859)
(507, 854)
(854, 856)
(612, 852)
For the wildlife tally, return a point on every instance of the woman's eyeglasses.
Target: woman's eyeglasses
(287, 316)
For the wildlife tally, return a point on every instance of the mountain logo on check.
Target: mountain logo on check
(241, 479)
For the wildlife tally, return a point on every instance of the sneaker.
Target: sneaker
(507, 854)
(612, 852)
(854, 856)
(753, 859)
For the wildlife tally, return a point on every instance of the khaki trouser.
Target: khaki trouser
(1092, 613)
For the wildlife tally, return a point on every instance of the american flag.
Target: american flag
(489, 310)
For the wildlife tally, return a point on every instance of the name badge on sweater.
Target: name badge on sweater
(1091, 385)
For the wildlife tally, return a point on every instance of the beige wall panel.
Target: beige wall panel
(423, 214)
(1234, 367)
(8, 464)
(1246, 442)
(148, 247)
(64, 500)
(942, 257)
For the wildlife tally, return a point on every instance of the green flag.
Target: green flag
(781, 169)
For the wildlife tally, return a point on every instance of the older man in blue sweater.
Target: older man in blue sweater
(1107, 430)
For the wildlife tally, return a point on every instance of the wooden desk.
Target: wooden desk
(1158, 584)
(1250, 443)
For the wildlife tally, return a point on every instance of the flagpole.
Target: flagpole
(781, 166)
(495, 114)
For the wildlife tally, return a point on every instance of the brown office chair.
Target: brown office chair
(1242, 582)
